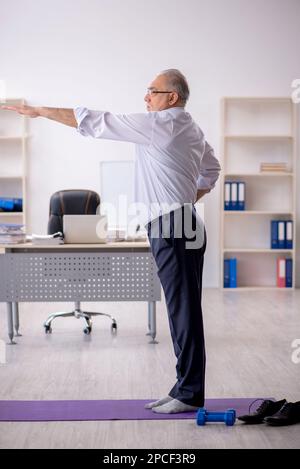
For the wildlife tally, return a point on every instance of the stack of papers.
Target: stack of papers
(12, 233)
(53, 239)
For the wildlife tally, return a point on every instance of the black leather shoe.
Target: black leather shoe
(287, 415)
(266, 408)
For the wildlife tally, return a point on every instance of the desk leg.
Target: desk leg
(152, 321)
(10, 322)
(15, 307)
(149, 319)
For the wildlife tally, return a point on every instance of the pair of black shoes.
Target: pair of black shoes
(274, 413)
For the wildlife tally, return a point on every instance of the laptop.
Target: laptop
(85, 229)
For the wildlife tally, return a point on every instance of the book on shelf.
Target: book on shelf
(241, 195)
(227, 196)
(12, 233)
(273, 167)
(284, 272)
(289, 234)
(234, 195)
(289, 273)
(230, 273)
(281, 234)
(8, 204)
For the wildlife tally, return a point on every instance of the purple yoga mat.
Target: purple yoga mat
(46, 411)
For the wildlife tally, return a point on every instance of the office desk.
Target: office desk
(123, 271)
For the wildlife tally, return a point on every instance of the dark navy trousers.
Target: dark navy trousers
(180, 272)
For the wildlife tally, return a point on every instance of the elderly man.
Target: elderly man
(175, 166)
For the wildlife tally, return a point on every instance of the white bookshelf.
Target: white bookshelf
(256, 130)
(13, 160)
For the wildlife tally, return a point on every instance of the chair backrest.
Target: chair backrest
(71, 202)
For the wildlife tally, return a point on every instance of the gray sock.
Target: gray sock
(162, 401)
(173, 407)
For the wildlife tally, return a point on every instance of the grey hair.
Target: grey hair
(178, 82)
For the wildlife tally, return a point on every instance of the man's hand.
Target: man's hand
(64, 116)
(28, 111)
(201, 193)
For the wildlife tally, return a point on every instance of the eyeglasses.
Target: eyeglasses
(151, 92)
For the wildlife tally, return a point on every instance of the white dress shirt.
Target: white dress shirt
(173, 159)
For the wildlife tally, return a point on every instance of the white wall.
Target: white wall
(103, 54)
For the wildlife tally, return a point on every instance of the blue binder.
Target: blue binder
(274, 234)
(18, 204)
(281, 234)
(226, 273)
(11, 204)
(289, 234)
(6, 204)
(234, 196)
(227, 196)
(232, 268)
(289, 273)
(241, 196)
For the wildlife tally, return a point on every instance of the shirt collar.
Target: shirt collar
(174, 110)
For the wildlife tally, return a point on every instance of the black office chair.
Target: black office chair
(73, 202)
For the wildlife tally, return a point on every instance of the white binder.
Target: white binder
(227, 205)
(234, 195)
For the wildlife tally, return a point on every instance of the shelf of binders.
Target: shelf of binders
(259, 151)
(13, 138)
(245, 269)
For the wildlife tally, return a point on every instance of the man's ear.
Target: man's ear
(174, 98)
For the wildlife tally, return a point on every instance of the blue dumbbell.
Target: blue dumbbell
(204, 416)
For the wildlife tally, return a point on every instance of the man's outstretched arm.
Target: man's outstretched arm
(134, 128)
(64, 116)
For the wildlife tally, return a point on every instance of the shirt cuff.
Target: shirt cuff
(204, 183)
(80, 114)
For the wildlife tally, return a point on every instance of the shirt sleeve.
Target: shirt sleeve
(134, 128)
(209, 169)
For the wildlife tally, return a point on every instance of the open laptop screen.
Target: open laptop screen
(85, 229)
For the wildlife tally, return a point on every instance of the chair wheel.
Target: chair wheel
(114, 328)
(87, 330)
(48, 329)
